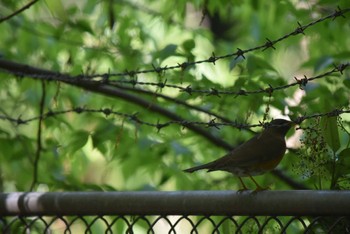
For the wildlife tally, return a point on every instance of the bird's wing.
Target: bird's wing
(258, 149)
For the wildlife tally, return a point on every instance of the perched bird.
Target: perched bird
(260, 154)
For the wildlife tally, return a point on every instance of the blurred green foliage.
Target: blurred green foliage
(93, 151)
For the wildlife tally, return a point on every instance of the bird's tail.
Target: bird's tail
(200, 167)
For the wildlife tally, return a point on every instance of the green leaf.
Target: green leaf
(105, 132)
(57, 9)
(346, 82)
(343, 164)
(166, 52)
(77, 141)
(82, 25)
(188, 45)
(256, 64)
(240, 83)
(344, 158)
(330, 132)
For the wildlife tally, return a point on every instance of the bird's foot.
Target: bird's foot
(242, 190)
(259, 189)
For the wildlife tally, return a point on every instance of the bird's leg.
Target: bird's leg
(258, 187)
(243, 185)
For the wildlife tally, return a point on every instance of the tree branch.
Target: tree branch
(180, 102)
(17, 68)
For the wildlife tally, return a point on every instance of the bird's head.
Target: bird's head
(280, 126)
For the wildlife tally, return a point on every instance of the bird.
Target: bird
(260, 154)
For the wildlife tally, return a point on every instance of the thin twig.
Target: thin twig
(38, 139)
(18, 11)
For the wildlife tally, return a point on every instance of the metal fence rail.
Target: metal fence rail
(176, 212)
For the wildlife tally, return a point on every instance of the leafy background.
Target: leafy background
(94, 151)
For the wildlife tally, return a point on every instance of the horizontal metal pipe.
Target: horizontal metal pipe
(298, 203)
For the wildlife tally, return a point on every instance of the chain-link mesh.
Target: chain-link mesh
(174, 224)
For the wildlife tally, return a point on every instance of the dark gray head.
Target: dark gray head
(280, 125)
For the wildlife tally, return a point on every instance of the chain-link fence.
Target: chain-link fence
(175, 224)
(176, 212)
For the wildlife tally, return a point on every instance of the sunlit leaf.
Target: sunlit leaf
(57, 9)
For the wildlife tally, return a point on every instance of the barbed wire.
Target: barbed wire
(213, 58)
(215, 92)
(49, 75)
(301, 82)
(134, 118)
(212, 123)
(105, 79)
